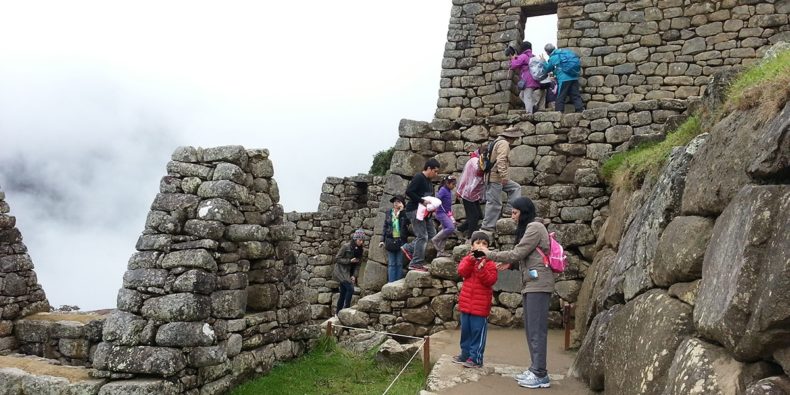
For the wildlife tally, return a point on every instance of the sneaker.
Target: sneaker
(457, 359)
(417, 268)
(525, 375)
(405, 252)
(471, 364)
(536, 382)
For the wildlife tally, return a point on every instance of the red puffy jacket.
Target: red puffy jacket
(477, 289)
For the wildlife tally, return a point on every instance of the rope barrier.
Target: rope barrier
(368, 330)
(404, 368)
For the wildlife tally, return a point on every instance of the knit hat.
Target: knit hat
(479, 235)
(359, 234)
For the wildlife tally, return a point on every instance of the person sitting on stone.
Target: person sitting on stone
(498, 178)
(347, 262)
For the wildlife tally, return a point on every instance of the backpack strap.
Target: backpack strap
(545, 258)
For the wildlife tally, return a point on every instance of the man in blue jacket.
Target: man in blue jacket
(566, 67)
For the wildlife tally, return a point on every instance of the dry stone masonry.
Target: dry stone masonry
(630, 50)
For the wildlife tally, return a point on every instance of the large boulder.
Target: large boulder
(742, 300)
(641, 343)
(704, 368)
(395, 290)
(630, 274)
(374, 276)
(445, 268)
(739, 149)
(589, 364)
(406, 163)
(777, 385)
(587, 304)
(681, 250)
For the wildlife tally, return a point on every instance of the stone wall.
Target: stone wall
(70, 339)
(213, 293)
(20, 293)
(630, 50)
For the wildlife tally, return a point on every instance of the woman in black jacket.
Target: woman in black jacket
(347, 262)
(393, 237)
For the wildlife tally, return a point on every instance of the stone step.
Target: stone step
(67, 337)
(25, 374)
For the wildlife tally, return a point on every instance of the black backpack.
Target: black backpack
(485, 160)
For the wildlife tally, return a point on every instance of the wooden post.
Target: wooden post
(566, 322)
(426, 356)
(329, 329)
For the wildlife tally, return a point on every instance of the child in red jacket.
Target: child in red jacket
(479, 274)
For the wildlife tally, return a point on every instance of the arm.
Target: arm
(355, 270)
(524, 247)
(519, 61)
(551, 63)
(446, 197)
(413, 189)
(488, 274)
(466, 266)
(501, 159)
(387, 225)
(340, 258)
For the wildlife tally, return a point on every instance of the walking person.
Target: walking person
(347, 262)
(471, 189)
(537, 286)
(566, 66)
(479, 274)
(419, 187)
(393, 237)
(498, 179)
(444, 214)
(530, 89)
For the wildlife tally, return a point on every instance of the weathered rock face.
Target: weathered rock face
(630, 274)
(727, 162)
(634, 362)
(681, 250)
(703, 368)
(746, 275)
(589, 302)
(589, 363)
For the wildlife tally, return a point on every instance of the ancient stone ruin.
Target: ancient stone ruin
(681, 271)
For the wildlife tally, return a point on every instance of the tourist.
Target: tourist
(420, 187)
(498, 178)
(444, 214)
(537, 287)
(393, 237)
(347, 262)
(479, 275)
(471, 188)
(530, 89)
(566, 66)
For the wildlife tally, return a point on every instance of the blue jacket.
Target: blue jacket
(553, 62)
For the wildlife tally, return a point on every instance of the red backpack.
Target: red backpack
(556, 260)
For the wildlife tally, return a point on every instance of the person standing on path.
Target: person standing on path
(498, 179)
(393, 237)
(471, 189)
(538, 284)
(567, 77)
(347, 262)
(419, 187)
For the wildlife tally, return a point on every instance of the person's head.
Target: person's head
(448, 181)
(431, 168)
(358, 237)
(526, 45)
(397, 202)
(479, 240)
(549, 48)
(511, 134)
(483, 149)
(523, 211)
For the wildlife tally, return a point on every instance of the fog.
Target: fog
(96, 95)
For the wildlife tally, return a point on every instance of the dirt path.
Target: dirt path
(506, 352)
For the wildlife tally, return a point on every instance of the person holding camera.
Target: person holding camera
(347, 262)
(530, 88)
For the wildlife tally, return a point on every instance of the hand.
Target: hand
(502, 266)
(353, 280)
(504, 181)
(381, 244)
(354, 260)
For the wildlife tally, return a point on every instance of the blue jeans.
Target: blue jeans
(394, 265)
(346, 292)
(474, 330)
(424, 230)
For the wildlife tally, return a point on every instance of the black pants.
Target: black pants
(473, 215)
(346, 292)
(569, 88)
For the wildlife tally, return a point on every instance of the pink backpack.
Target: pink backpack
(556, 261)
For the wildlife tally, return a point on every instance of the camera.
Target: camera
(478, 254)
(510, 51)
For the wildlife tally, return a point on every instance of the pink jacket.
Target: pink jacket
(471, 186)
(521, 63)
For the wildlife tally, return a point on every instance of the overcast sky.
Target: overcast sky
(96, 95)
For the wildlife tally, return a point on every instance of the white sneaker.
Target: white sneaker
(527, 374)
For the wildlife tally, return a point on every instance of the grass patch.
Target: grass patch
(765, 86)
(628, 169)
(327, 369)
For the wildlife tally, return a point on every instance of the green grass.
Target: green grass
(763, 73)
(630, 168)
(328, 369)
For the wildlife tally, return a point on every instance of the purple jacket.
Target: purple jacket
(521, 63)
(446, 196)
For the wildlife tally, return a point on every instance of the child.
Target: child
(479, 274)
(444, 214)
(347, 263)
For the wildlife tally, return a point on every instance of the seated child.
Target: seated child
(479, 274)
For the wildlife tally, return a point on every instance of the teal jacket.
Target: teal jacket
(551, 65)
